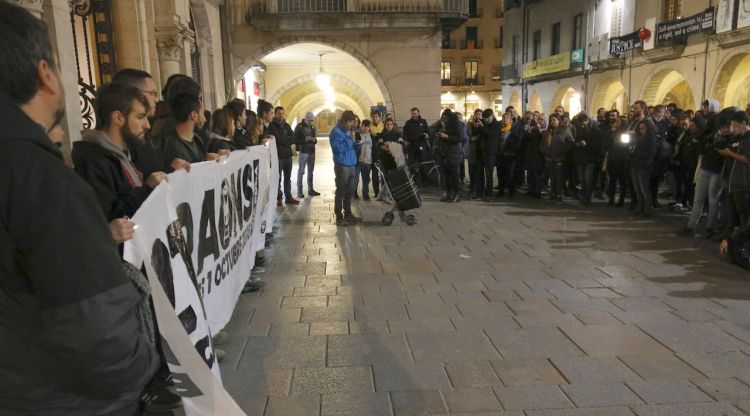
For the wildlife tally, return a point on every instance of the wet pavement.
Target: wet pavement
(514, 307)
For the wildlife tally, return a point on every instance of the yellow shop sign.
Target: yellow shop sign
(548, 65)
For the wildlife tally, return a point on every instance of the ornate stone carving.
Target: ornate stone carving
(170, 47)
(80, 7)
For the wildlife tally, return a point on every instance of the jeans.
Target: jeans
(586, 176)
(375, 180)
(305, 160)
(285, 171)
(488, 168)
(641, 183)
(451, 179)
(682, 185)
(345, 176)
(618, 175)
(508, 178)
(554, 171)
(708, 185)
(363, 171)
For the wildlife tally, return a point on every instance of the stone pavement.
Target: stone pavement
(508, 308)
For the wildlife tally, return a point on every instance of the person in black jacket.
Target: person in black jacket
(222, 132)
(71, 343)
(534, 159)
(452, 156)
(284, 135)
(416, 131)
(489, 144)
(305, 139)
(588, 153)
(183, 143)
(641, 163)
(102, 157)
(616, 155)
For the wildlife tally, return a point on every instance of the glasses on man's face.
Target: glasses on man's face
(153, 93)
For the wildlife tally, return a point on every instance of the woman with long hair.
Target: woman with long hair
(555, 144)
(641, 163)
(222, 132)
(452, 155)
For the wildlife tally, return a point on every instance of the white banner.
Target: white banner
(197, 237)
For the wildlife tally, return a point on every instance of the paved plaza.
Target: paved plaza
(509, 308)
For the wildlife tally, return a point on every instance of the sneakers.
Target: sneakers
(158, 398)
(349, 217)
(292, 201)
(341, 222)
(258, 269)
(300, 195)
(279, 202)
(220, 354)
(253, 285)
(220, 337)
(312, 192)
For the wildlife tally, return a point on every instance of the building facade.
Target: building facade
(668, 51)
(470, 68)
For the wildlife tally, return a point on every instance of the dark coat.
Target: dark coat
(489, 138)
(217, 143)
(414, 130)
(102, 171)
(452, 154)
(593, 150)
(241, 138)
(71, 342)
(644, 152)
(557, 148)
(284, 135)
(145, 156)
(177, 148)
(739, 174)
(301, 134)
(534, 158)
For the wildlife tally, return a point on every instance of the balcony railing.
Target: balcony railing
(496, 72)
(512, 71)
(498, 43)
(448, 82)
(471, 44)
(474, 81)
(449, 44)
(361, 6)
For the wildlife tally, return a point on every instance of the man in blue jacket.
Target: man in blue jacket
(345, 161)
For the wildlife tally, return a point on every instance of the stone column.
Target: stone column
(170, 47)
(56, 14)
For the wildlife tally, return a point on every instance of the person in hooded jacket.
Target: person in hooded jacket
(641, 162)
(708, 184)
(284, 135)
(507, 155)
(451, 155)
(556, 142)
(534, 160)
(738, 166)
(588, 152)
(616, 158)
(102, 157)
(305, 139)
(489, 145)
(71, 339)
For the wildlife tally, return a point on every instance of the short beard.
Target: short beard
(128, 135)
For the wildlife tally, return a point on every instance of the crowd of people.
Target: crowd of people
(661, 156)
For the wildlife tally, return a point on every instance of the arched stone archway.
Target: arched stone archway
(535, 102)
(610, 94)
(515, 101)
(732, 84)
(567, 97)
(668, 85)
(363, 96)
(257, 54)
